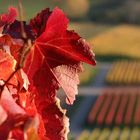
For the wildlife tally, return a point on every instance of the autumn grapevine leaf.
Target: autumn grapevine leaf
(50, 57)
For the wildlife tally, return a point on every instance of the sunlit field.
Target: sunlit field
(115, 134)
(124, 73)
(122, 41)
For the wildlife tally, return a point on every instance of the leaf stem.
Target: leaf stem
(21, 18)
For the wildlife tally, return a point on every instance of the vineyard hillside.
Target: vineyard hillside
(120, 41)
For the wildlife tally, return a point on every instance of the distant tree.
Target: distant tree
(115, 11)
(77, 9)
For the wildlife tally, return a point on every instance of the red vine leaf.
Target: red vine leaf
(9, 17)
(7, 67)
(3, 115)
(14, 114)
(9, 104)
(68, 79)
(38, 23)
(53, 62)
(55, 47)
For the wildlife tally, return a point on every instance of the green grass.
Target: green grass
(88, 75)
(30, 7)
(70, 137)
(121, 42)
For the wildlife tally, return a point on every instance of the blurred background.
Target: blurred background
(108, 104)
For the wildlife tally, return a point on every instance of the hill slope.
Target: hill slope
(122, 41)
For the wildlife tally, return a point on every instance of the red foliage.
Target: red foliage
(9, 17)
(32, 69)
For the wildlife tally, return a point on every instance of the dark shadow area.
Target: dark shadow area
(112, 58)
